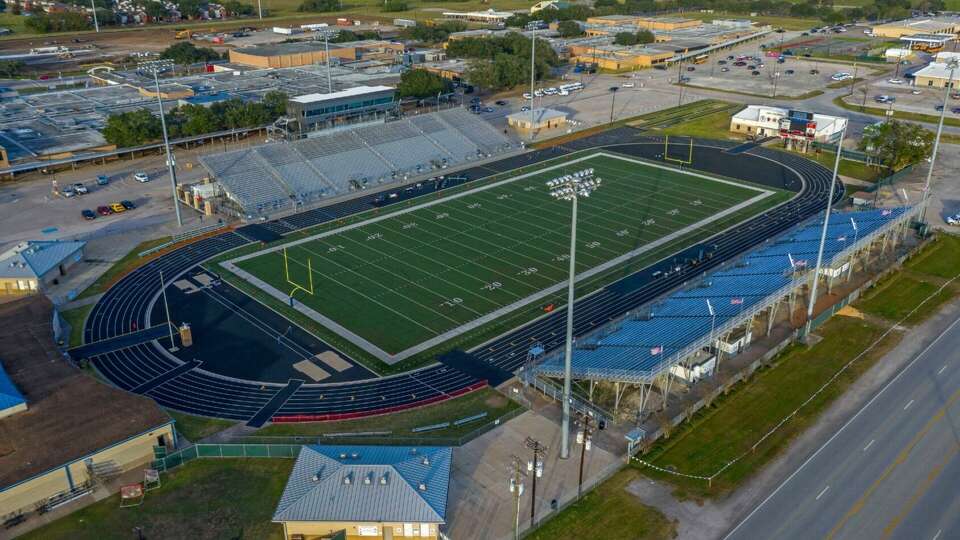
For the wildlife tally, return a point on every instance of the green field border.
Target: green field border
(492, 330)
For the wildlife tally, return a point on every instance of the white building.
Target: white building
(489, 16)
(765, 121)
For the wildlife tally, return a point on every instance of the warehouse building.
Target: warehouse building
(935, 75)
(765, 121)
(312, 52)
(647, 23)
(618, 57)
(925, 25)
(490, 16)
(73, 435)
(361, 103)
(381, 492)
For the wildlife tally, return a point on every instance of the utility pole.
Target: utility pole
(853, 80)
(516, 488)
(584, 439)
(613, 100)
(535, 468)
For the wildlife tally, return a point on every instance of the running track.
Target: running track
(146, 369)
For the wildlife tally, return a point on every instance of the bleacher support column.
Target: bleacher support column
(616, 397)
(772, 315)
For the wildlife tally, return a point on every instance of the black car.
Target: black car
(721, 62)
(128, 205)
(755, 73)
(814, 71)
(731, 57)
(501, 102)
(789, 72)
(955, 110)
(88, 214)
(939, 107)
(475, 100)
(691, 68)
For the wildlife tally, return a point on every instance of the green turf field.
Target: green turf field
(420, 276)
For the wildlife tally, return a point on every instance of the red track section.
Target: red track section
(289, 419)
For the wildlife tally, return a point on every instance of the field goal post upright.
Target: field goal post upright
(687, 160)
(296, 286)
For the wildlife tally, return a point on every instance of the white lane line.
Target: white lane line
(822, 492)
(869, 444)
(907, 406)
(941, 369)
(937, 535)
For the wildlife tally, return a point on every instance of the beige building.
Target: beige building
(619, 57)
(28, 267)
(540, 119)
(75, 429)
(648, 23)
(313, 52)
(924, 25)
(935, 75)
(366, 492)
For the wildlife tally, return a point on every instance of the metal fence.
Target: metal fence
(850, 155)
(231, 450)
(891, 179)
(183, 236)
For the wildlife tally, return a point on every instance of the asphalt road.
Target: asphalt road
(890, 472)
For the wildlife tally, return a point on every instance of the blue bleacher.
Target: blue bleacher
(634, 348)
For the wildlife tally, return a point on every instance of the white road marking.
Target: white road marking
(937, 535)
(869, 444)
(941, 369)
(822, 492)
(907, 406)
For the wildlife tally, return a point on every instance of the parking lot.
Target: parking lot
(908, 98)
(793, 78)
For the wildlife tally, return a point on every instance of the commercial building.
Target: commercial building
(935, 75)
(319, 111)
(29, 266)
(453, 70)
(647, 23)
(924, 25)
(618, 57)
(75, 432)
(489, 16)
(312, 52)
(386, 492)
(765, 121)
(540, 119)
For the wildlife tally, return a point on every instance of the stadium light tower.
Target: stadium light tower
(571, 187)
(326, 34)
(952, 64)
(532, 26)
(155, 67)
(823, 233)
(96, 23)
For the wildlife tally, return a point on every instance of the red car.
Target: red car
(103, 211)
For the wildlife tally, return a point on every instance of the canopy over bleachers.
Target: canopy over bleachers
(278, 176)
(637, 348)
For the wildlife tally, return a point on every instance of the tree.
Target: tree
(188, 8)
(432, 34)
(276, 103)
(239, 9)
(625, 38)
(187, 53)
(422, 83)
(11, 68)
(646, 36)
(319, 6)
(569, 29)
(156, 10)
(58, 22)
(897, 144)
(394, 5)
(132, 128)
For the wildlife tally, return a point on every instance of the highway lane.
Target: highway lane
(890, 472)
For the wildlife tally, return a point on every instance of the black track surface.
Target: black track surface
(198, 391)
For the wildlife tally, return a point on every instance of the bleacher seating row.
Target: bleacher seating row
(277, 176)
(636, 347)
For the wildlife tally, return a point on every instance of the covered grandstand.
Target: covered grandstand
(287, 175)
(661, 341)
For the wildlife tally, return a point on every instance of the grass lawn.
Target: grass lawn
(486, 400)
(195, 428)
(75, 318)
(719, 433)
(894, 298)
(403, 279)
(941, 258)
(609, 508)
(129, 262)
(853, 169)
(206, 498)
(898, 115)
(710, 126)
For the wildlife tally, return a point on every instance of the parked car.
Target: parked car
(955, 110)
(684, 78)
(488, 109)
(895, 81)
(80, 189)
(500, 103)
(102, 179)
(726, 69)
(731, 57)
(104, 210)
(953, 220)
(789, 72)
(117, 208)
(691, 68)
(754, 73)
(67, 192)
(751, 67)
(916, 92)
(739, 63)
(526, 95)
(88, 214)
(475, 100)
(841, 76)
(882, 99)
(721, 62)
(141, 177)
(627, 85)
(938, 108)
(525, 108)
(128, 205)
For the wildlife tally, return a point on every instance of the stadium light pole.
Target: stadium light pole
(533, 25)
(823, 232)
(96, 23)
(613, 100)
(155, 67)
(516, 489)
(328, 33)
(570, 187)
(953, 63)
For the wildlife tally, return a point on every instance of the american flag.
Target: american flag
(736, 301)
(802, 263)
(885, 212)
(656, 350)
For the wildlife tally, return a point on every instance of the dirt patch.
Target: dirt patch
(850, 311)
(497, 401)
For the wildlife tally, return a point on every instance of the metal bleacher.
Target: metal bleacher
(640, 346)
(277, 176)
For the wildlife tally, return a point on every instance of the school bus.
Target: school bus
(700, 59)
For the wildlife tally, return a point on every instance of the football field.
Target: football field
(400, 282)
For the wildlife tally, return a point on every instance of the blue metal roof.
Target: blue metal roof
(633, 347)
(35, 258)
(367, 483)
(9, 395)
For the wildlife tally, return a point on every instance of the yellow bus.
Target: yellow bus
(700, 59)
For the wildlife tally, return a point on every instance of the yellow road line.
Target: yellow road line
(924, 487)
(901, 457)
